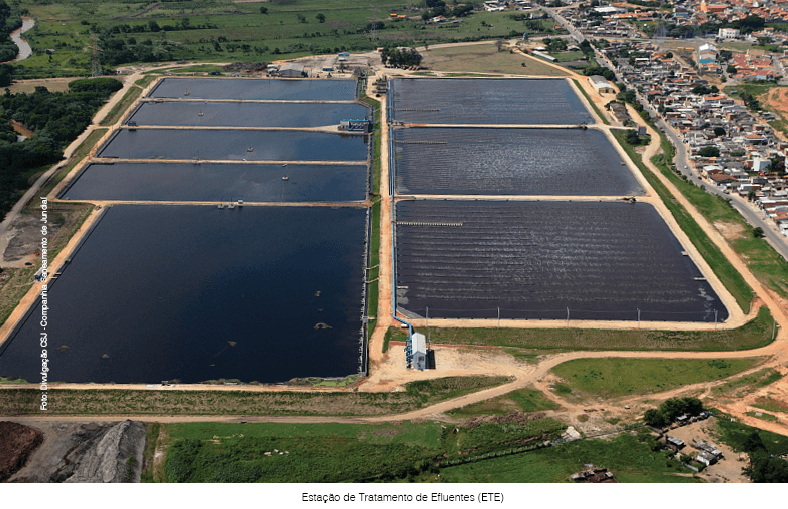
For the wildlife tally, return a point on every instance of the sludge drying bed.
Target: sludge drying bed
(256, 89)
(603, 261)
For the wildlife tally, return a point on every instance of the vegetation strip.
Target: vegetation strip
(16, 401)
(610, 378)
(754, 334)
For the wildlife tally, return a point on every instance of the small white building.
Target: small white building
(419, 344)
(759, 164)
(729, 33)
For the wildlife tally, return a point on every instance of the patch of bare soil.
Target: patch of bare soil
(22, 239)
(731, 231)
(17, 443)
(86, 452)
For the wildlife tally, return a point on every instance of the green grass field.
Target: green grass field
(747, 384)
(214, 452)
(630, 458)
(222, 31)
(524, 400)
(485, 58)
(611, 378)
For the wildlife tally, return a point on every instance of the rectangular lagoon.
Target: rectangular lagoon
(246, 114)
(602, 260)
(486, 101)
(256, 89)
(193, 293)
(559, 162)
(220, 182)
(217, 144)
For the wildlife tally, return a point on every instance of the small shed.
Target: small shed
(419, 351)
(601, 84)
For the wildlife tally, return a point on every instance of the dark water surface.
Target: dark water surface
(534, 259)
(220, 182)
(234, 145)
(256, 89)
(559, 162)
(246, 114)
(487, 101)
(195, 293)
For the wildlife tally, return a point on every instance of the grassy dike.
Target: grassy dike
(17, 401)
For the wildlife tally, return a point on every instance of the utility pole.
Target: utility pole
(95, 60)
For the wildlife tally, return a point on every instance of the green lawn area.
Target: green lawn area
(265, 452)
(524, 400)
(486, 58)
(754, 334)
(610, 378)
(630, 458)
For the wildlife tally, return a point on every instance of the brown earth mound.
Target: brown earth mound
(17, 443)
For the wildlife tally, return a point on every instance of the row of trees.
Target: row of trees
(57, 118)
(405, 57)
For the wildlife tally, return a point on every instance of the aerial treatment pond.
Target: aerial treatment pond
(220, 182)
(195, 293)
(560, 162)
(245, 114)
(486, 101)
(235, 145)
(602, 260)
(250, 89)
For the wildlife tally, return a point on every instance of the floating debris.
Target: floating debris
(105, 356)
(317, 293)
(232, 343)
(62, 348)
(322, 325)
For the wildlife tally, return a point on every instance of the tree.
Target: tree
(731, 69)
(669, 54)
(719, 131)
(153, 26)
(498, 44)
(321, 17)
(632, 137)
(263, 10)
(654, 417)
(709, 152)
(757, 232)
(764, 469)
(301, 18)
